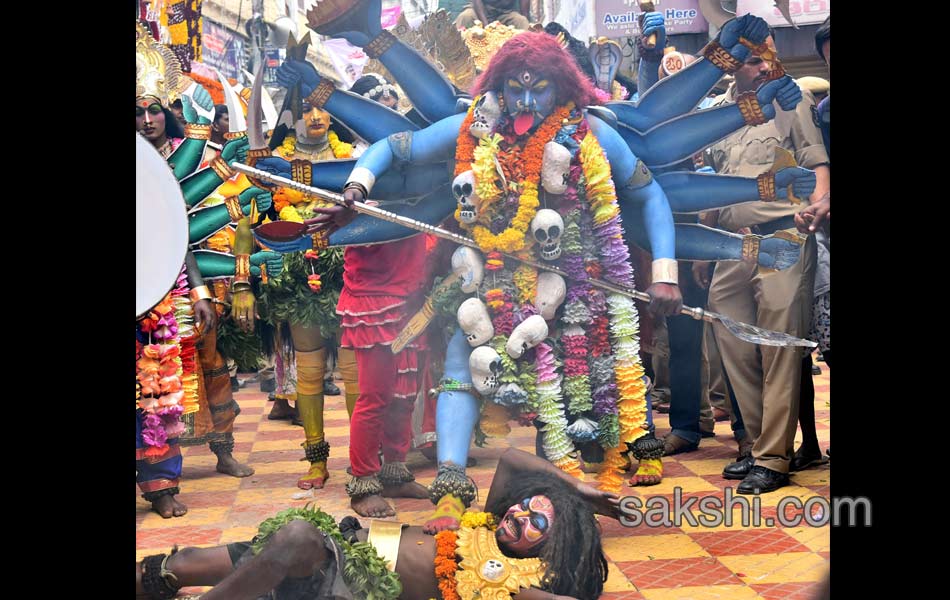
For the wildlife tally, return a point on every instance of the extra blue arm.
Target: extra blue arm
(435, 143)
(674, 95)
(684, 136)
(695, 192)
(656, 215)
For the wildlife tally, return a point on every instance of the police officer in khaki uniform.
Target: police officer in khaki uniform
(766, 379)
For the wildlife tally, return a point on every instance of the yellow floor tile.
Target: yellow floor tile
(280, 466)
(244, 436)
(772, 498)
(342, 430)
(194, 518)
(737, 525)
(275, 495)
(276, 445)
(687, 485)
(777, 568)
(237, 534)
(712, 466)
(215, 483)
(812, 477)
(816, 539)
(702, 592)
(617, 581)
(650, 547)
(243, 418)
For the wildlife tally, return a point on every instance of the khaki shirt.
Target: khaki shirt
(750, 151)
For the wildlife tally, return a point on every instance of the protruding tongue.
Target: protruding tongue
(523, 122)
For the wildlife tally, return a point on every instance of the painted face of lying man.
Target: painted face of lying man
(526, 525)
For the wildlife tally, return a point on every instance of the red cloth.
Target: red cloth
(380, 417)
(383, 286)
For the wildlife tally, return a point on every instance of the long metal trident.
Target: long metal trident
(743, 331)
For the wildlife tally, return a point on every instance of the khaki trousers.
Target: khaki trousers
(766, 379)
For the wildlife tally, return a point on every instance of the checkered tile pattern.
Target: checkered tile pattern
(652, 563)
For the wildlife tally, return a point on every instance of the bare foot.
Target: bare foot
(409, 489)
(281, 411)
(448, 513)
(315, 478)
(650, 472)
(168, 506)
(229, 466)
(372, 506)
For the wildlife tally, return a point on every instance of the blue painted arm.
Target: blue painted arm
(435, 143)
(656, 215)
(368, 119)
(681, 92)
(690, 192)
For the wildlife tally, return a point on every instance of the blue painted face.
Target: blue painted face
(527, 92)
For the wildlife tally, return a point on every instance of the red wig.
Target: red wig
(542, 54)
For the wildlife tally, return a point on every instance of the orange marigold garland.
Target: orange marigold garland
(445, 565)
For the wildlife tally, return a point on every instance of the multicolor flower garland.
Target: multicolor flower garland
(445, 545)
(513, 237)
(160, 392)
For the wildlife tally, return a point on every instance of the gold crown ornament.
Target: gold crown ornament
(157, 70)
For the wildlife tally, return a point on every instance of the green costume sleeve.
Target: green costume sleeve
(186, 158)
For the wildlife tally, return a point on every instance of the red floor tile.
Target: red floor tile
(665, 573)
(787, 591)
(750, 541)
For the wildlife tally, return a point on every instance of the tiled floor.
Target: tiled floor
(692, 560)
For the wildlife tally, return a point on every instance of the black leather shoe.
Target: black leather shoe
(761, 481)
(738, 469)
(330, 388)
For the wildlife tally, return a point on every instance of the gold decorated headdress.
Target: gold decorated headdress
(157, 70)
(484, 41)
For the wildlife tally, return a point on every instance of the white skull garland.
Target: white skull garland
(463, 188)
(468, 264)
(486, 115)
(550, 294)
(555, 168)
(526, 335)
(547, 227)
(485, 365)
(474, 320)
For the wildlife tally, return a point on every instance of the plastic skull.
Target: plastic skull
(475, 322)
(493, 570)
(547, 228)
(485, 365)
(555, 168)
(486, 115)
(468, 264)
(526, 335)
(463, 188)
(550, 294)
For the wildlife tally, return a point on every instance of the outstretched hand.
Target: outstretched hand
(748, 26)
(815, 215)
(603, 503)
(784, 90)
(197, 106)
(275, 166)
(292, 72)
(260, 197)
(235, 150)
(802, 181)
(653, 23)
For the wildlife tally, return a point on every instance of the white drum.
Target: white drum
(161, 227)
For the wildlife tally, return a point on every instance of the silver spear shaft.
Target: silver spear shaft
(743, 331)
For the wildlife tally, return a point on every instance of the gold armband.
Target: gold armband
(718, 56)
(665, 271)
(766, 183)
(380, 44)
(301, 171)
(234, 208)
(242, 268)
(320, 94)
(749, 107)
(197, 132)
(750, 248)
(199, 293)
(221, 168)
